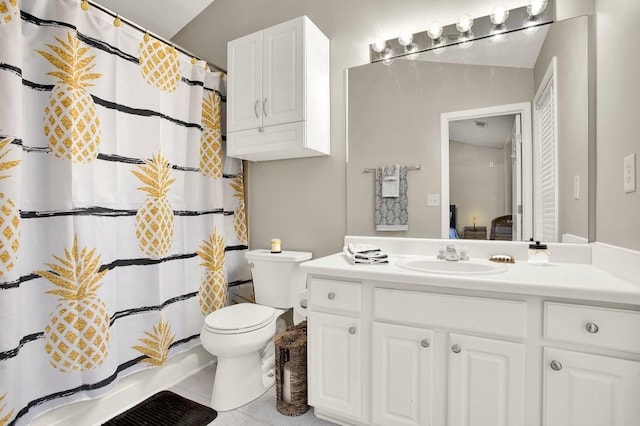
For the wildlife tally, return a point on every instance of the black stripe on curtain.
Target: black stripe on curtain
(117, 315)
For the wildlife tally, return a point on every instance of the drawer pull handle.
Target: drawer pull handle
(352, 330)
(456, 349)
(556, 365)
(425, 343)
(592, 328)
(331, 296)
(255, 109)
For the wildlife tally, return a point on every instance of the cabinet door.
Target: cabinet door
(283, 79)
(402, 375)
(244, 91)
(486, 382)
(334, 355)
(589, 390)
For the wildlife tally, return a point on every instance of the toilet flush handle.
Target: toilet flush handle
(251, 265)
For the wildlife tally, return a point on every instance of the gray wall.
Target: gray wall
(394, 118)
(568, 42)
(475, 187)
(351, 25)
(618, 106)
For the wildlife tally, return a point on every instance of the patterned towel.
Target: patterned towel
(391, 212)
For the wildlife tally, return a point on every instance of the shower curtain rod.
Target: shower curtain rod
(144, 30)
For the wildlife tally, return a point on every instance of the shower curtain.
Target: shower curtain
(122, 224)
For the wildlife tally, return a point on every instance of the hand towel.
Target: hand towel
(369, 258)
(391, 213)
(390, 180)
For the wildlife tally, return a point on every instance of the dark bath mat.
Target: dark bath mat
(165, 409)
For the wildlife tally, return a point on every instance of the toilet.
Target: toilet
(241, 335)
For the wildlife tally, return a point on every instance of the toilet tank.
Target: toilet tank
(276, 276)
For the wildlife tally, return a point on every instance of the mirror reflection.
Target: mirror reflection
(501, 129)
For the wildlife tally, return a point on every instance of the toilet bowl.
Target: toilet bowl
(241, 335)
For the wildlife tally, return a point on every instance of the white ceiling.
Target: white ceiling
(494, 135)
(162, 17)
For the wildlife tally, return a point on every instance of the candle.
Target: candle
(275, 246)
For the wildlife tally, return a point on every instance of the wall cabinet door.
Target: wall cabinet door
(402, 375)
(590, 390)
(244, 100)
(283, 74)
(486, 382)
(335, 363)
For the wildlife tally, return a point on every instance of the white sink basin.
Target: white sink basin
(466, 267)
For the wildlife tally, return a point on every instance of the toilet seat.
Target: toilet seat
(238, 319)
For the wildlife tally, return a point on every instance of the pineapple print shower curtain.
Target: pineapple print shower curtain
(122, 223)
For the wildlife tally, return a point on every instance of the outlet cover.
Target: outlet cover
(433, 200)
(630, 173)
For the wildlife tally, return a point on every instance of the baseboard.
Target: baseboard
(129, 391)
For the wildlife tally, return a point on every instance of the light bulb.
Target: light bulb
(536, 7)
(379, 45)
(499, 15)
(464, 24)
(412, 51)
(405, 39)
(434, 31)
(386, 57)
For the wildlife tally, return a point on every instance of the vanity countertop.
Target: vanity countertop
(567, 280)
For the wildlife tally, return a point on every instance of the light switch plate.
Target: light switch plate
(433, 200)
(630, 173)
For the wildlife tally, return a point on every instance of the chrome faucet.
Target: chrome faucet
(451, 253)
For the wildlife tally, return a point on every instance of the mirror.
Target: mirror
(406, 113)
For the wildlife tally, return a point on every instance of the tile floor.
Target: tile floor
(261, 412)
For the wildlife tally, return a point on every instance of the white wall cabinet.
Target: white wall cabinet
(278, 77)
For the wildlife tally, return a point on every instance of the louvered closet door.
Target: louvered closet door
(546, 164)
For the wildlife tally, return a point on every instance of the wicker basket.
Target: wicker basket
(291, 346)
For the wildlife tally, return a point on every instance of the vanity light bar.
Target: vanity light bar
(409, 169)
(518, 19)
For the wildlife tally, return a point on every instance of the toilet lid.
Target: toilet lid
(240, 318)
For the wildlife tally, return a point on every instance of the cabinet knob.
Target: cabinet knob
(456, 349)
(592, 328)
(255, 108)
(425, 343)
(331, 296)
(352, 330)
(556, 365)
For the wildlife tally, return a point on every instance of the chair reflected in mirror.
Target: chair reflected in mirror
(453, 232)
(502, 228)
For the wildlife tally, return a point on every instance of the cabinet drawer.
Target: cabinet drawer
(486, 316)
(593, 326)
(335, 296)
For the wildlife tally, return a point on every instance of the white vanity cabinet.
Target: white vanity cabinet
(335, 346)
(486, 381)
(402, 375)
(584, 389)
(278, 93)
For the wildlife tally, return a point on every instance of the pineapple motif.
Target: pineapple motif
(70, 118)
(213, 287)
(9, 217)
(154, 220)
(9, 12)
(4, 418)
(159, 64)
(157, 343)
(211, 139)
(239, 216)
(77, 336)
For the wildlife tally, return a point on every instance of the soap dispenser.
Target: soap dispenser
(538, 253)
